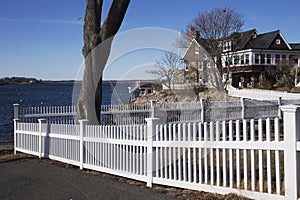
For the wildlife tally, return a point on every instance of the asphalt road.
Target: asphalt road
(38, 179)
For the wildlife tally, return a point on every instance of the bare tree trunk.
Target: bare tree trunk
(97, 44)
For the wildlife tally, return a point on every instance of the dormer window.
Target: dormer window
(254, 35)
(278, 41)
(227, 46)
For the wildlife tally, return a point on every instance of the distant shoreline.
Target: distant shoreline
(32, 81)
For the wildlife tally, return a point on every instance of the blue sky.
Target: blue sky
(43, 39)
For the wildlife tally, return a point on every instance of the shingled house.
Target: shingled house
(199, 66)
(246, 57)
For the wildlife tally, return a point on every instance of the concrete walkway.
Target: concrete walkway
(259, 94)
(37, 179)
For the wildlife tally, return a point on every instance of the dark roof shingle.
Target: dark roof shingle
(295, 46)
(262, 41)
(243, 38)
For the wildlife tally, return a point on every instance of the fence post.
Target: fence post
(82, 130)
(151, 127)
(41, 121)
(279, 102)
(202, 105)
(16, 110)
(15, 134)
(291, 130)
(152, 104)
(243, 108)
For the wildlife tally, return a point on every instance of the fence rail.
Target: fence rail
(256, 158)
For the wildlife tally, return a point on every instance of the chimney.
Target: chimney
(194, 33)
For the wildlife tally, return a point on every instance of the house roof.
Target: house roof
(189, 53)
(141, 85)
(295, 46)
(242, 38)
(249, 39)
(262, 41)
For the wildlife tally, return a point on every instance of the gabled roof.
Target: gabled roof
(248, 40)
(188, 49)
(189, 53)
(263, 41)
(242, 38)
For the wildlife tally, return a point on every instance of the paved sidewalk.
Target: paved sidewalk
(37, 179)
(261, 94)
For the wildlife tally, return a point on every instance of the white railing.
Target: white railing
(169, 113)
(254, 158)
(53, 114)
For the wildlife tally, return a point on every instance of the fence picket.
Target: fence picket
(224, 176)
(245, 135)
(230, 155)
(269, 164)
(260, 156)
(238, 169)
(277, 157)
(205, 154)
(212, 139)
(253, 167)
(218, 153)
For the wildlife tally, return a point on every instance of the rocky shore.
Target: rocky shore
(167, 96)
(24, 80)
(18, 80)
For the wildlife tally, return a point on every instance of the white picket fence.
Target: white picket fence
(255, 158)
(168, 112)
(53, 114)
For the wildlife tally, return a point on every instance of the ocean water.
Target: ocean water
(50, 94)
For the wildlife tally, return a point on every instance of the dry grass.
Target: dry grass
(7, 153)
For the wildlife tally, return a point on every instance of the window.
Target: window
(283, 58)
(247, 59)
(278, 41)
(199, 65)
(293, 59)
(236, 59)
(268, 58)
(197, 49)
(208, 65)
(256, 58)
(225, 46)
(262, 58)
(277, 59)
(254, 35)
(226, 61)
(242, 59)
